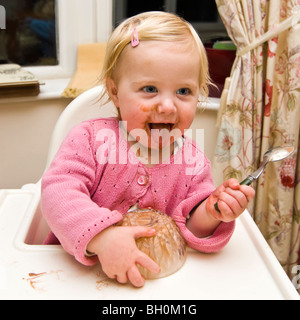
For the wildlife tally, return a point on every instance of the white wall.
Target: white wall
(206, 119)
(25, 131)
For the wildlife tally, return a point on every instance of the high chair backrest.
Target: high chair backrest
(84, 107)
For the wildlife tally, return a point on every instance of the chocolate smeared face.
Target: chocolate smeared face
(155, 86)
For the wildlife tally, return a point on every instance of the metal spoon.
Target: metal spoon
(271, 155)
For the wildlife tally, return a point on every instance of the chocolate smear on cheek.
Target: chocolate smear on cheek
(148, 108)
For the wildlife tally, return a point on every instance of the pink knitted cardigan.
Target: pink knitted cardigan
(95, 178)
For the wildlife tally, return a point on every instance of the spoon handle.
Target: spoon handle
(246, 181)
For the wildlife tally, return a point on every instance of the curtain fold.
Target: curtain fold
(260, 109)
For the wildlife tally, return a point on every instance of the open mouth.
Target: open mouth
(161, 133)
(161, 126)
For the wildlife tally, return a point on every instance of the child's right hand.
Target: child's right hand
(118, 253)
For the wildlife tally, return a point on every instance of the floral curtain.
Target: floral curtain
(260, 109)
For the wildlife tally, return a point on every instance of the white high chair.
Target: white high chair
(245, 269)
(86, 106)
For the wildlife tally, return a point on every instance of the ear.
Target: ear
(112, 90)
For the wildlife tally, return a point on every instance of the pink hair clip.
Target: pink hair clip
(134, 38)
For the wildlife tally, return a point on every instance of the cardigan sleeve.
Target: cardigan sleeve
(201, 187)
(66, 194)
(215, 242)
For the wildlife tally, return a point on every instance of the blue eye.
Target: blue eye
(150, 89)
(183, 91)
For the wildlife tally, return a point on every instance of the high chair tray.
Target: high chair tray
(245, 269)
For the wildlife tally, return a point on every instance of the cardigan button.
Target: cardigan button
(142, 180)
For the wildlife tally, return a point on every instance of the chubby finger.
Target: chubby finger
(232, 183)
(122, 278)
(229, 204)
(248, 191)
(140, 231)
(234, 198)
(135, 277)
(225, 213)
(148, 263)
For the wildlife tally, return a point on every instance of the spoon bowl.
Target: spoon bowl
(271, 155)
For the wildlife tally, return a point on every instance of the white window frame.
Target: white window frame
(78, 22)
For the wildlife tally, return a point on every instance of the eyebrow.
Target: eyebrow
(145, 80)
(155, 82)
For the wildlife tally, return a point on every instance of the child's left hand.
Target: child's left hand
(232, 199)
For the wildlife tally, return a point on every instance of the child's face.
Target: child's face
(156, 86)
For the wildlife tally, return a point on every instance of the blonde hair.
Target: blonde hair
(153, 26)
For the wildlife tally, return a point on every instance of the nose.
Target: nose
(166, 106)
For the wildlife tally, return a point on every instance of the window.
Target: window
(76, 22)
(202, 14)
(73, 22)
(30, 34)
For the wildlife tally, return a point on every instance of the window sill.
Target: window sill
(211, 104)
(51, 89)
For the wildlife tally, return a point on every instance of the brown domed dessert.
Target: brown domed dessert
(167, 247)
